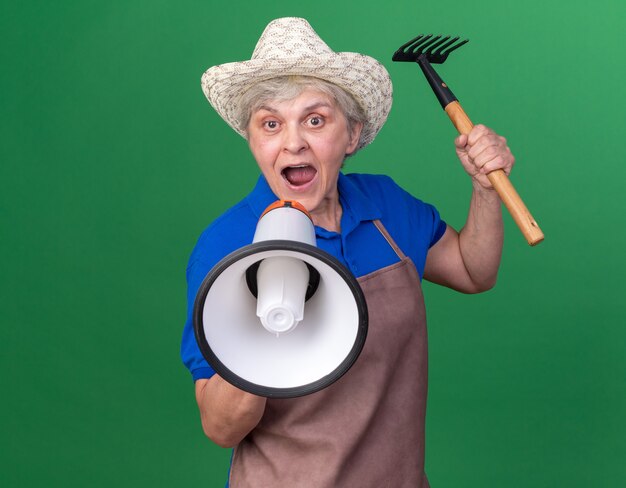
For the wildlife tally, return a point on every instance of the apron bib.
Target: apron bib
(367, 428)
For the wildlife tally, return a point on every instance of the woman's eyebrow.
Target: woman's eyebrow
(308, 108)
(317, 105)
(266, 107)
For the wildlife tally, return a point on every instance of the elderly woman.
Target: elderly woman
(303, 109)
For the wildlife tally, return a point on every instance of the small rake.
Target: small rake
(426, 49)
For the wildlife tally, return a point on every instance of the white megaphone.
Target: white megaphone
(280, 318)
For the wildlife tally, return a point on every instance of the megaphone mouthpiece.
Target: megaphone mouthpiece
(282, 283)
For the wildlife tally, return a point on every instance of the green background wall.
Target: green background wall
(112, 163)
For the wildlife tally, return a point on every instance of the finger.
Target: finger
(489, 139)
(483, 133)
(494, 153)
(491, 154)
(484, 144)
(502, 162)
(477, 132)
(461, 141)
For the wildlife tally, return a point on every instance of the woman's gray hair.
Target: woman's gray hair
(283, 88)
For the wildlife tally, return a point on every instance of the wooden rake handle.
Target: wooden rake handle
(500, 182)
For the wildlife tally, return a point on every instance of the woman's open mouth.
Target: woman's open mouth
(299, 176)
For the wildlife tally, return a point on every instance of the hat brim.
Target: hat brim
(361, 76)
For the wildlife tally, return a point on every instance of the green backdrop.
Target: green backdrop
(112, 163)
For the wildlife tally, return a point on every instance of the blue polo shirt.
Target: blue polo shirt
(414, 225)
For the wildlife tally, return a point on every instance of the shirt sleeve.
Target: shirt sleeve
(439, 226)
(189, 349)
(229, 232)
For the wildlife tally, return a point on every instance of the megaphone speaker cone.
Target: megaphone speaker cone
(312, 356)
(280, 318)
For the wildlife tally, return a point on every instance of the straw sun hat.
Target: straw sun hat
(290, 46)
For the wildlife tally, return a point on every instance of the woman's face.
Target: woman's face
(300, 145)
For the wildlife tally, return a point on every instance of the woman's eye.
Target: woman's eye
(271, 124)
(316, 121)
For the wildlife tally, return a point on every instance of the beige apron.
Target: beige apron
(366, 429)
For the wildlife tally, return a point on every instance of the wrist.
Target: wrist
(485, 194)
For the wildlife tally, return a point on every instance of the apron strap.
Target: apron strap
(379, 225)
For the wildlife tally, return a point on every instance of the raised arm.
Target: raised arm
(468, 260)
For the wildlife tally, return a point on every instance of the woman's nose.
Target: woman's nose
(294, 140)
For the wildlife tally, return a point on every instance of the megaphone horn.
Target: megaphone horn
(280, 318)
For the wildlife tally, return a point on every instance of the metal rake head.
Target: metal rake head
(434, 49)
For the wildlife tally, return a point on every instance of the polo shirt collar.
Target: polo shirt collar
(261, 197)
(357, 207)
(356, 203)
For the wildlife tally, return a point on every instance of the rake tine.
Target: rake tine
(425, 48)
(433, 47)
(440, 49)
(452, 48)
(404, 46)
(417, 47)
